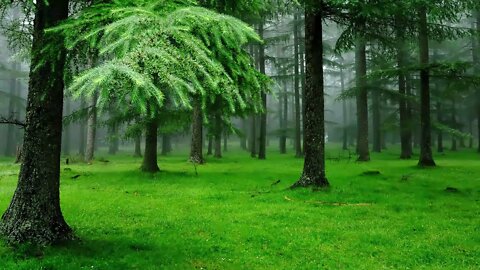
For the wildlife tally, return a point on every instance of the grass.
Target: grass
(232, 217)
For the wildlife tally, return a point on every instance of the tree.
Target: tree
(314, 164)
(34, 214)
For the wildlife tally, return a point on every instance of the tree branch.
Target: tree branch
(11, 121)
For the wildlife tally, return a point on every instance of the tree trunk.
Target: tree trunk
(314, 164)
(253, 136)
(284, 119)
(210, 145)
(362, 101)
(243, 139)
(150, 154)
(476, 61)
(81, 139)
(262, 150)
(426, 156)
(454, 125)
(196, 150)
(34, 214)
(166, 144)
(138, 146)
(91, 129)
(439, 132)
(218, 136)
(66, 130)
(376, 122)
(10, 139)
(113, 139)
(344, 111)
(298, 134)
(225, 141)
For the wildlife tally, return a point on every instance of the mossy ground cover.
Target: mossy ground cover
(238, 213)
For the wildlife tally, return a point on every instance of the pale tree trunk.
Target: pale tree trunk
(34, 214)
(91, 129)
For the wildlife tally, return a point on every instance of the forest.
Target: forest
(239, 134)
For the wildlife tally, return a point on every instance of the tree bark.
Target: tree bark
(150, 154)
(314, 164)
(34, 214)
(426, 156)
(298, 112)
(262, 150)
(362, 101)
(91, 129)
(196, 150)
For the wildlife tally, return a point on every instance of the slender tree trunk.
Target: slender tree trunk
(344, 111)
(362, 101)
(210, 145)
(66, 130)
(138, 146)
(150, 163)
(113, 139)
(81, 139)
(298, 134)
(225, 141)
(243, 139)
(10, 144)
(284, 119)
(314, 165)
(476, 61)
(454, 124)
(405, 120)
(262, 150)
(439, 132)
(426, 156)
(253, 136)
(196, 150)
(218, 136)
(166, 144)
(34, 214)
(376, 122)
(301, 50)
(470, 140)
(91, 129)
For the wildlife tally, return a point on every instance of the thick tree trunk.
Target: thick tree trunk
(298, 112)
(10, 139)
(362, 101)
(91, 129)
(150, 154)
(262, 147)
(426, 156)
(34, 214)
(138, 146)
(314, 165)
(196, 147)
(81, 139)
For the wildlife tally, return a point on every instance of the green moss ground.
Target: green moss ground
(232, 217)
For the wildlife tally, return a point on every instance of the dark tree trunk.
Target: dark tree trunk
(91, 129)
(150, 155)
(218, 136)
(439, 132)
(166, 144)
(34, 214)
(81, 139)
(196, 150)
(376, 122)
(362, 101)
(426, 156)
(262, 147)
(138, 146)
(298, 134)
(253, 136)
(10, 139)
(314, 165)
(113, 139)
(344, 111)
(476, 61)
(284, 119)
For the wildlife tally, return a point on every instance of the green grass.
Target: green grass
(231, 217)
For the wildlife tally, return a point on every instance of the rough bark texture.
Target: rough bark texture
(196, 147)
(362, 101)
(150, 155)
(426, 156)
(314, 165)
(34, 214)
(91, 129)
(262, 147)
(298, 134)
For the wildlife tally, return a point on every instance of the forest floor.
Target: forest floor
(238, 213)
